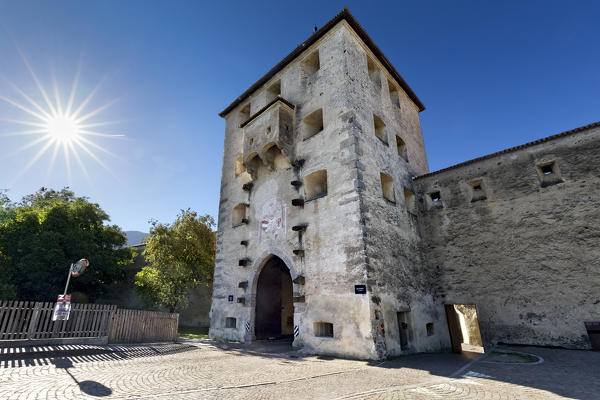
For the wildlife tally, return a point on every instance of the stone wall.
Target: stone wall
(527, 254)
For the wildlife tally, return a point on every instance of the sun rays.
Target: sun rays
(55, 126)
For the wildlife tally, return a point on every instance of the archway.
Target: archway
(274, 301)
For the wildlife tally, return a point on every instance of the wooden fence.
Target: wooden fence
(136, 326)
(27, 321)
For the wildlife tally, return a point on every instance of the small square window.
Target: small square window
(323, 329)
(311, 64)
(312, 124)
(435, 197)
(429, 328)
(549, 173)
(380, 131)
(230, 322)
(478, 192)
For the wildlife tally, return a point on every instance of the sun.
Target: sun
(63, 128)
(60, 125)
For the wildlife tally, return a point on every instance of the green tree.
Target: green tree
(47, 231)
(181, 256)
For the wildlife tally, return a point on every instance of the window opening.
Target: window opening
(239, 166)
(273, 91)
(394, 95)
(323, 329)
(238, 216)
(477, 191)
(311, 64)
(373, 71)
(230, 322)
(401, 146)
(429, 328)
(435, 196)
(313, 123)
(403, 328)
(245, 113)
(387, 187)
(379, 126)
(409, 199)
(315, 185)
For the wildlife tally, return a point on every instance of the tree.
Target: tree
(47, 231)
(181, 256)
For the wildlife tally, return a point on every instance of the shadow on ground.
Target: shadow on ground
(77, 354)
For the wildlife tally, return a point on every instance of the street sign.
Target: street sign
(62, 309)
(360, 289)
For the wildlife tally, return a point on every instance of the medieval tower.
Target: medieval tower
(321, 233)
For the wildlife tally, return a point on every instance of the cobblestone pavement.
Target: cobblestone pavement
(226, 371)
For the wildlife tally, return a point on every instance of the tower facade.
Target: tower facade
(317, 233)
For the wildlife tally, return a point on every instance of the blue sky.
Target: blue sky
(491, 74)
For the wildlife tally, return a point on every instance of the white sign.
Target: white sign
(62, 309)
(272, 220)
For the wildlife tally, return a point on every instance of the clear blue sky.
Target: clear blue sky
(491, 74)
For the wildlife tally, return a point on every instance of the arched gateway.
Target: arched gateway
(274, 301)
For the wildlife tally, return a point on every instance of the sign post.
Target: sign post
(62, 309)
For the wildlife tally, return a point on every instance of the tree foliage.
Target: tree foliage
(181, 256)
(47, 231)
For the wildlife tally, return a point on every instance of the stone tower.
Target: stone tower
(317, 236)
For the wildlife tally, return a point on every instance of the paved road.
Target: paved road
(207, 371)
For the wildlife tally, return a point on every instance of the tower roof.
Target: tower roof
(343, 15)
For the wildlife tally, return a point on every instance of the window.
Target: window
(429, 328)
(239, 166)
(394, 95)
(380, 129)
(373, 71)
(230, 322)
(549, 173)
(477, 190)
(409, 200)
(274, 91)
(323, 329)
(315, 185)
(387, 187)
(244, 114)
(401, 146)
(435, 196)
(310, 64)
(312, 124)
(239, 215)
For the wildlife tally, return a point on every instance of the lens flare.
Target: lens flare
(69, 128)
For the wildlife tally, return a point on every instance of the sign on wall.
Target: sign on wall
(360, 289)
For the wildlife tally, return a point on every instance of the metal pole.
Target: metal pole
(68, 279)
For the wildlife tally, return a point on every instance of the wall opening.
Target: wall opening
(230, 322)
(409, 201)
(463, 326)
(274, 301)
(387, 187)
(379, 126)
(429, 328)
(549, 173)
(435, 196)
(323, 329)
(373, 71)
(477, 190)
(244, 113)
(401, 146)
(310, 64)
(238, 217)
(273, 91)
(312, 124)
(315, 185)
(403, 319)
(593, 331)
(239, 166)
(394, 94)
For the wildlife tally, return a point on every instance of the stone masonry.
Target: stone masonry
(333, 232)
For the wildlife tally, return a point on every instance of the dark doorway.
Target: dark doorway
(463, 326)
(593, 331)
(274, 301)
(403, 327)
